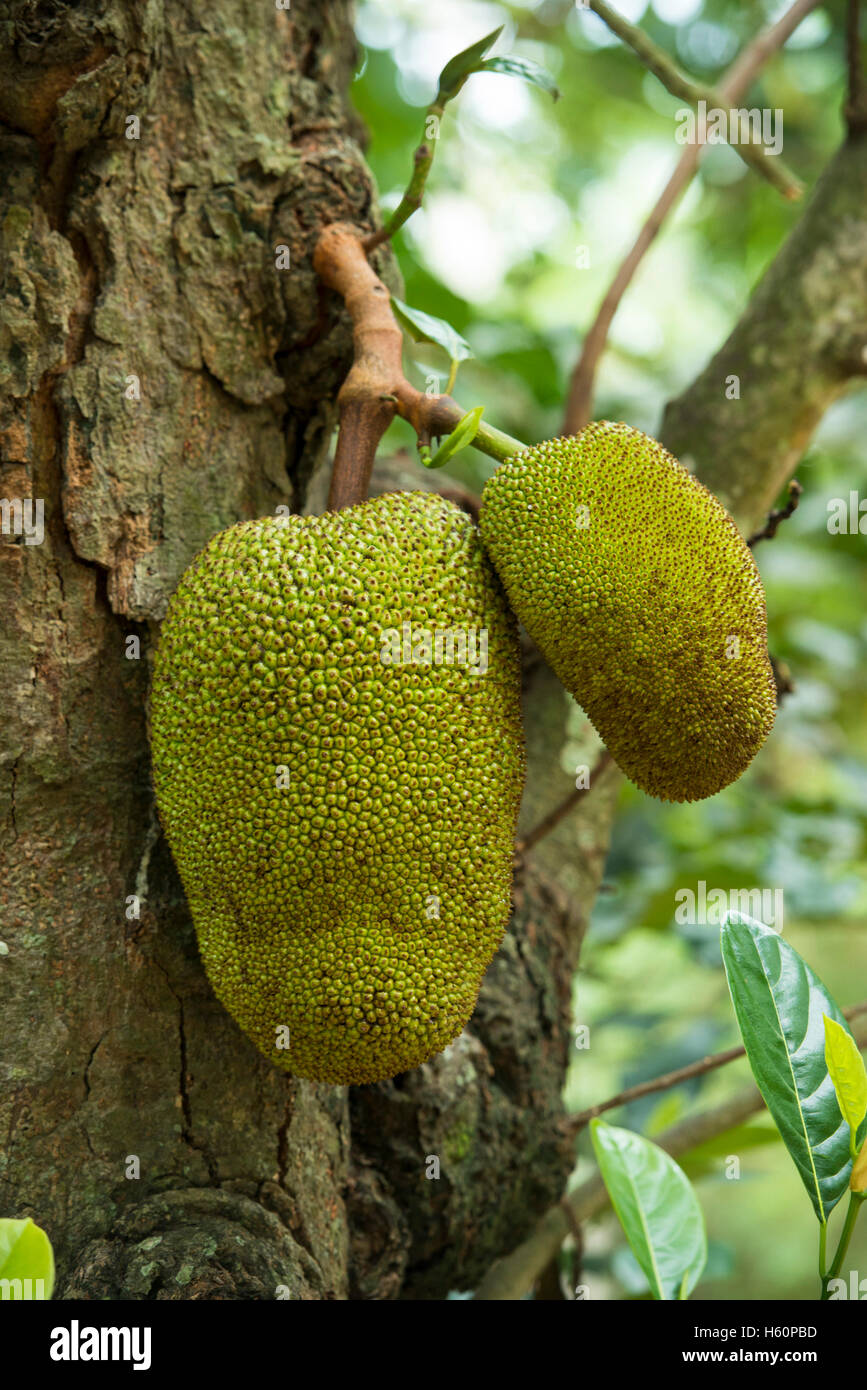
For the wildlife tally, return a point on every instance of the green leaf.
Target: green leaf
(463, 434)
(522, 67)
(780, 1004)
(458, 69)
(628, 1272)
(424, 328)
(846, 1067)
(656, 1207)
(25, 1254)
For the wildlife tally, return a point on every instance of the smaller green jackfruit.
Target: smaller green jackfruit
(642, 596)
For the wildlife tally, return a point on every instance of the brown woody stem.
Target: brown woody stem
(553, 819)
(855, 109)
(769, 530)
(375, 389)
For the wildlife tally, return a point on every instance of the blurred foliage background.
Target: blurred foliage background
(524, 192)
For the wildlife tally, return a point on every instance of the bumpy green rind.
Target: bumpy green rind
(641, 594)
(361, 905)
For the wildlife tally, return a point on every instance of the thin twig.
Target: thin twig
(554, 817)
(769, 530)
(736, 81)
(411, 200)
(654, 58)
(659, 1083)
(657, 61)
(511, 1277)
(674, 1078)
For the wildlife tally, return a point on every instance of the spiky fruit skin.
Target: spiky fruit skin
(641, 594)
(360, 905)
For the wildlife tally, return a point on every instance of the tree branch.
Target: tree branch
(782, 678)
(736, 81)
(657, 61)
(675, 1078)
(363, 400)
(510, 1278)
(855, 110)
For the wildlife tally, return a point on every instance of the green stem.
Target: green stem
(437, 416)
(411, 200)
(852, 1215)
(823, 1257)
(855, 1200)
(496, 444)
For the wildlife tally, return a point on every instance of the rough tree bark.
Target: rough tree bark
(161, 377)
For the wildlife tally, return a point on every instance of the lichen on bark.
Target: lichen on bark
(161, 379)
(150, 258)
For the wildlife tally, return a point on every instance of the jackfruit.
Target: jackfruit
(640, 593)
(338, 759)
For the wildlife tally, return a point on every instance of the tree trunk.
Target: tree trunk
(165, 374)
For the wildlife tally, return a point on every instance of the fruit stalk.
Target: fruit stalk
(375, 389)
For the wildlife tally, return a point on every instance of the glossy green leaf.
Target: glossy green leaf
(656, 1207)
(463, 434)
(846, 1066)
(458, 69)
(26, 1257)
(424, 328)
(780, 1005)
(521, 67)
(627, 1271)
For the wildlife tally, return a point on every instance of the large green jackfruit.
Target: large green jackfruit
(339, 785)
(641, 594)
